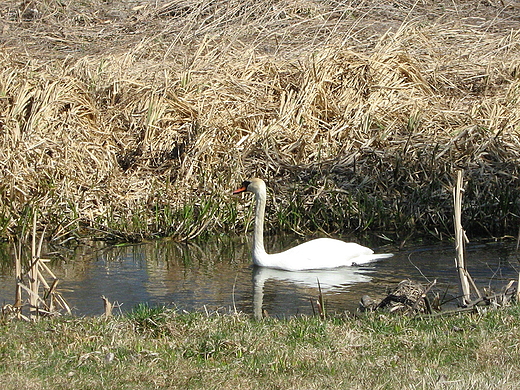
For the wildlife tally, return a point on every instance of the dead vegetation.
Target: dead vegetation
(36, 285)
(132, 119)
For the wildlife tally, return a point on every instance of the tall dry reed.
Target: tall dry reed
(131, 120)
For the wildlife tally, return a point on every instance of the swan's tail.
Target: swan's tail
(364, 259)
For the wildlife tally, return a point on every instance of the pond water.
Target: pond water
(217, 275)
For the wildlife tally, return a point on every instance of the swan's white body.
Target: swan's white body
(321, 253)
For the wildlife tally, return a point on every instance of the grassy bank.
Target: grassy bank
(158, 348)
(130, 120)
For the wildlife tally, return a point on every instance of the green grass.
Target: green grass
(154, 348)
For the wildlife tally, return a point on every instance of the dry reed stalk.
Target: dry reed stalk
(18, 279)
(40, 302)
(518, 288)
(460, 241)
(518, 278)
(320, 303)
(108, 307)
(34, 282)
(375, 99)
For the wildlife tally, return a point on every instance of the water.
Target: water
(217, 275)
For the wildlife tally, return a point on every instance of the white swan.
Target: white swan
(321, 253)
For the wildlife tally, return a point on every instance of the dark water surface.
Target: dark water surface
(218, 275)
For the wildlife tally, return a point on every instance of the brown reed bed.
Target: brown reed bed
(129, 120)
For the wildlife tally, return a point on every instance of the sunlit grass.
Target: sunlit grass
(154, 346)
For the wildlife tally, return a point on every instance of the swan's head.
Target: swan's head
(256, 186)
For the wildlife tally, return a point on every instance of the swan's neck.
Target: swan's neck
(259, 253)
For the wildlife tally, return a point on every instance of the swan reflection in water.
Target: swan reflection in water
(330, 280)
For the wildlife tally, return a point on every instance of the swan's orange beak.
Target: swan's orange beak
(241, 189)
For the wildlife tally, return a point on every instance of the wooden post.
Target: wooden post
(460, 241)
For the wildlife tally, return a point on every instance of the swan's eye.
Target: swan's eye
(246, 183)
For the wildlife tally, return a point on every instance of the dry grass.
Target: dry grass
(126, 116)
